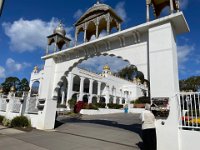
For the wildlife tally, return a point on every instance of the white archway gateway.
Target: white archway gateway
(151, 47)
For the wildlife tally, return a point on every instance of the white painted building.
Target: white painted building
(92, 88)
(150, 46)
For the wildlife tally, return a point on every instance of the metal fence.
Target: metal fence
(189, 114)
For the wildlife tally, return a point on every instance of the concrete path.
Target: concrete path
(104, 132)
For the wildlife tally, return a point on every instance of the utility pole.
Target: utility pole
(1, 6)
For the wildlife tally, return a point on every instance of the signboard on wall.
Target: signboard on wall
(160, 106)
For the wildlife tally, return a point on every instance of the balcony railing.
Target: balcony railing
(189, 114)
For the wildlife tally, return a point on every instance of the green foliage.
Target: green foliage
(20, 121)
(90, 106)
(190, 84)
(72, 103)
(20, 86)
(115, 106)
(24, 85)
(142, 100)
(127, 72)
(101, 105)
(1, 118)
(130, 72)
(6, 122)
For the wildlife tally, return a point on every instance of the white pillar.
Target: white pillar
(108, 24)
(91, 90)
(99, 91)
(97, 30)
(163, 65)
(63, 96)
(115, 97)
(120, 28)
(171, 7)
(120, 100)
(148, 16)
(76, 37)
(85, 33)
(107, 95)
(81, 89)
(70, 86)
(46, 117)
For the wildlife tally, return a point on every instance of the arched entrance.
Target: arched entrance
(85, 98)
(94, 100)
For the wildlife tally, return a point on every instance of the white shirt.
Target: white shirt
(148, 119)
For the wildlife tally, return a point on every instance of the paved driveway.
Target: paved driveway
(102, 132)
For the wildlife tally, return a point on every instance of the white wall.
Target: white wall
(189, 140)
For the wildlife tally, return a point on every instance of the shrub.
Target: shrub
(6, 122)
(90, 106)
(142, 100)
(20, 121)
(78, 106)
(72, 103)
(1, 119)
(101, 105)
(115, 106)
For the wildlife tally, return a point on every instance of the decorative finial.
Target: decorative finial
(98, 2)
(35, 70)
(12, 89)
(1, 90)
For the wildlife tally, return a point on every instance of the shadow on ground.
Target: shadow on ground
(136, 128)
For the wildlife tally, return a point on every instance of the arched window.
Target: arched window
(35, 88)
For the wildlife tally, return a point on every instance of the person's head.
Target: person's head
(147, 106)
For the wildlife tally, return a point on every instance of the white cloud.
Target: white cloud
(96, 64)
(2, 72)
(120, 9)
(184, 53)
(28, 35)
(78, 14)
(13, 66)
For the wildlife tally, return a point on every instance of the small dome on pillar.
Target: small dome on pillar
(1, 89)
(60, 29)
(12, 89)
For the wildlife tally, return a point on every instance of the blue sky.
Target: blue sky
(25, 24)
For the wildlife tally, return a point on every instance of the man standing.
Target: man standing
(148, 129)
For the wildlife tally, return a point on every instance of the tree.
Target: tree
(9, 82)
(130, 73)
(20, 86)
(24, 85)
(190, 84)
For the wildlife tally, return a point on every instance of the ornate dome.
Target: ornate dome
(106, 67)
(60, 29)
(96, 10)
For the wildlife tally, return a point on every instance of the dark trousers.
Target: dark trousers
(149, 139)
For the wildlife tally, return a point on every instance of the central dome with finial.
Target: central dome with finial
(60, 29)
(97, 18)
(106, 67)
